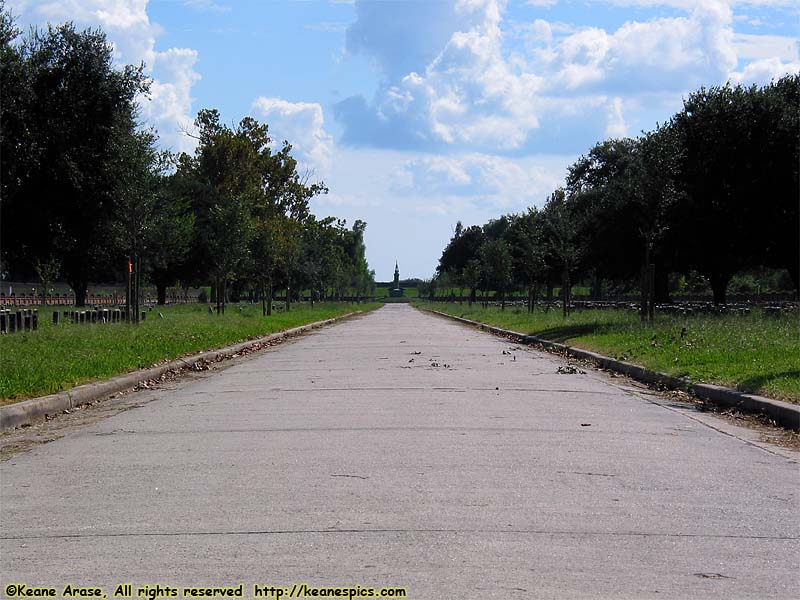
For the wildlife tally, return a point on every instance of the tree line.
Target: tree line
(714, 190)
(85, 188)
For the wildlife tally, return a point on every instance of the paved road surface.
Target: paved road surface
(349, 457)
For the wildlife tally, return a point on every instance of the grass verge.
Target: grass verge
(55, 358)
(752, 353)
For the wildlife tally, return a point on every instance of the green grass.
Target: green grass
(751, 352)
(383, 292)
(59, 357)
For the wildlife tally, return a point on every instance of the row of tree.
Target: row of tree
(84, 187)
(714, 190)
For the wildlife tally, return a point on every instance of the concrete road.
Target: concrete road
(401, 449)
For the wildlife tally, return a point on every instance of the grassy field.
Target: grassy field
(752, 353)
(59, 357)
(382, 292)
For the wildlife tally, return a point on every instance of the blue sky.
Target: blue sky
(421, 113)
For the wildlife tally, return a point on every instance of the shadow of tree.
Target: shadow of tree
(562, 334)
(753, 384)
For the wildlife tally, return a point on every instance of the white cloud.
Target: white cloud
(763, 71)
(302, 124)
(499, 87)
(616, 128)
(133, 37)
(760, 47)
(170, 103)
(207, 6)
(494, 182)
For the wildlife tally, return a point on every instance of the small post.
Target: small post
(128, 290)
(56, 317)
(35, 319)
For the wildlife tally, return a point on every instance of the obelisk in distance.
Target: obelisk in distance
(396, 291)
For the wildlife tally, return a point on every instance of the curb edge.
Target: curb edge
(25, 412)
(785, 414)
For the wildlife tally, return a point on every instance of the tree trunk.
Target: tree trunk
(137, 295)
(565, 289)
(661, 289)
(79, 288)
(224, 293)
(596, 292)
(161, 293)
(263, 291)
(644, 285)
(651, 307)
(719, 285)
(269, 299)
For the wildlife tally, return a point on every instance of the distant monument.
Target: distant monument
(396, 291)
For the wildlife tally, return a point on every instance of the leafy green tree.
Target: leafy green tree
(562, 239)
(170, 237)
(59, 190)
(227, 172)
(778, 224)
(722, 175)
(472, 277)
(526, 240)
(463, 247)
(620, 193)
(496, 266)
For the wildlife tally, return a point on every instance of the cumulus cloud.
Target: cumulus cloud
(133, 38)
(302, 124)
(493, 182)
(467, 94)
(499, 87)
(402, 36)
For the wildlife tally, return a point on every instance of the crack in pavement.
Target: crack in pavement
(405, 530)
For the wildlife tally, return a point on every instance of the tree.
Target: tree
(561, 235)
(59, 189)
(496, 267)
(136, 207)
(472, 277)
(227, 171)
(526, 241)
(718, 130)
(620, 193)
(778, 228)
(360, 276)
(170, 237)
(462, 248)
